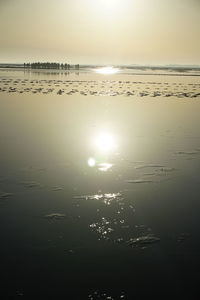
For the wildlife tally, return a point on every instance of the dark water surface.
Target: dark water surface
(99, 196)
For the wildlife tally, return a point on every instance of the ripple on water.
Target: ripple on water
(191, 152)
(106, 198)
(183, 236)
(102, 228)
(139, 181)
(57, 189)
(101, 295)
(55, 216)
(5, 195)
(143, 241)
(149, 166)
(31, 184)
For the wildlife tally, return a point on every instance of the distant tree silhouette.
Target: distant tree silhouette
(50, 65)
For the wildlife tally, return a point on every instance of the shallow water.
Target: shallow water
(99, 196)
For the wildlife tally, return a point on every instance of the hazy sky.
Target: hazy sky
(100, 31)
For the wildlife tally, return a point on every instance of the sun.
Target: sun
(108, 11)
(109, 3)
(109, 6)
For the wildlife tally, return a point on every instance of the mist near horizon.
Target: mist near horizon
(100, 32)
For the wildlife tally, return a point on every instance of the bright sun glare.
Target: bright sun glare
(112, 4)
(91, 162)
(109, 3)
(107, 70)
(105, 142)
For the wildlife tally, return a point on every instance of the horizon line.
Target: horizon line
(109, 64)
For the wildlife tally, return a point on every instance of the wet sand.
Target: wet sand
(101, 88)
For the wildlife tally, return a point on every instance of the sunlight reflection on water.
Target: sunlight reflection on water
(103, 146)
(104, 167)
(105, 142)
(91, 162)
(107, 70)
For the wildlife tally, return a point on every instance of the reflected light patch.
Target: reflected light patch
(105, 142)
(107, 70)
(91, 162)
(104, 167)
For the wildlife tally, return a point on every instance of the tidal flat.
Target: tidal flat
(99, 184)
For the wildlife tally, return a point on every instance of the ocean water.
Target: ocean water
(99, 184)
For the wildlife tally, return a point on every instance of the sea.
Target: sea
(100, 183)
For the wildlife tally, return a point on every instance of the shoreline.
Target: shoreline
(122, 71)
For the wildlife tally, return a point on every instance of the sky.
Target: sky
(100, 31)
